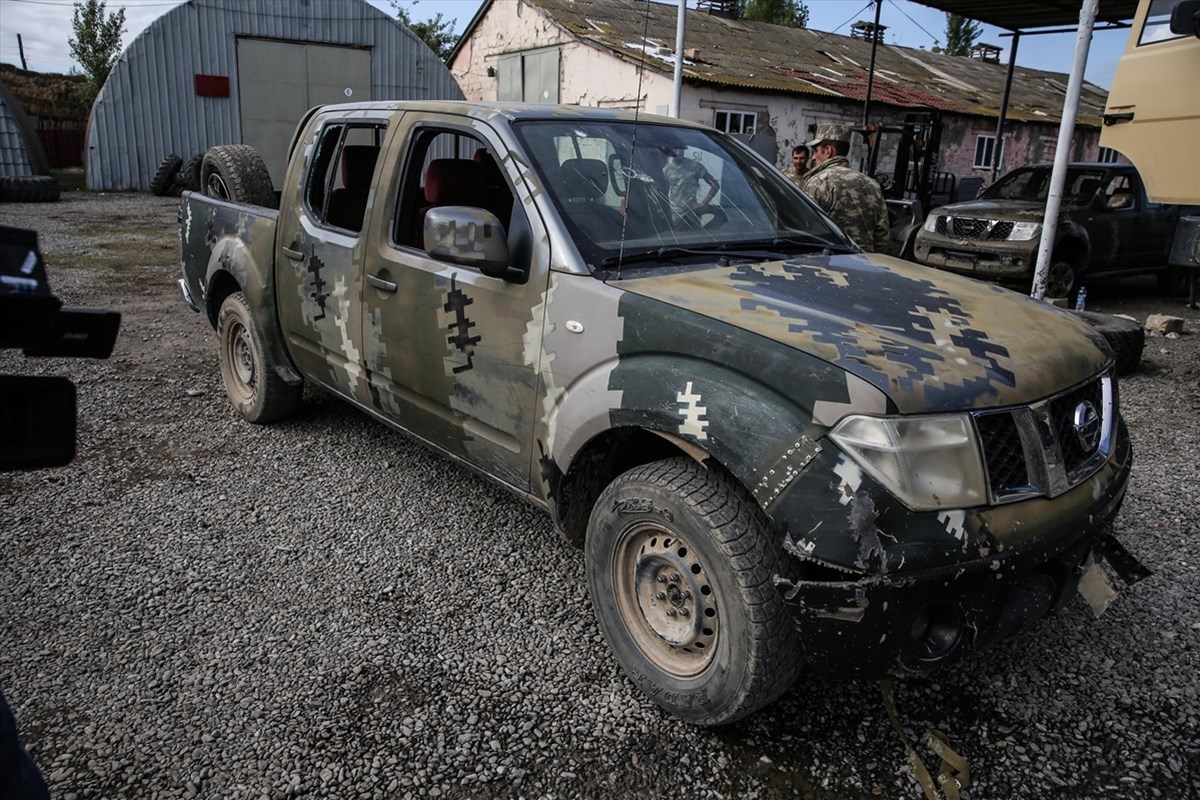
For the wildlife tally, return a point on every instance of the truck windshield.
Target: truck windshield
(626, 190)
(1034, 185)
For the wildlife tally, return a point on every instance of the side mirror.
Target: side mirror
(472, 237)
(1185, 18)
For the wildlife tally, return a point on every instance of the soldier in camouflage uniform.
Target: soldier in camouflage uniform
(854, 200)
(799, 167)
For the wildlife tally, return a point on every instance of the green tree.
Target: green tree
(96, 44)
(438, 33)
(961, 34)
(791, 13)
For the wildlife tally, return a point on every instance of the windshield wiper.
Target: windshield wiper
(672, 253)
(808, 241)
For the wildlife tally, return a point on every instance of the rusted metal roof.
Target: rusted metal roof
(759, 56)
(1024, 15)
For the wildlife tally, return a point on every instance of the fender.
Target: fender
(1072, 234)
(241, 247)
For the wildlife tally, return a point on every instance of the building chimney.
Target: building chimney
(867, 30)
(719, 8)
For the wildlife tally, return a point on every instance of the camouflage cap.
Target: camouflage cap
(831, 132)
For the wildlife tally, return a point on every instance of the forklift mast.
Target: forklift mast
(914, 175)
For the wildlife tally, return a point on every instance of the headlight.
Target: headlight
(1024, 231)
(927, 462)
(931, 223)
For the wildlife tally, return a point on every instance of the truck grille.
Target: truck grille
(990, 230)
(1049, 447)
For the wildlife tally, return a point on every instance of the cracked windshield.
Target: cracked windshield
(628, 191)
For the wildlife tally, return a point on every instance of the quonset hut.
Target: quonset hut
(212, 72)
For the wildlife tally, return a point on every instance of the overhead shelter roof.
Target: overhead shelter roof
(759, 56)
(1024, 15)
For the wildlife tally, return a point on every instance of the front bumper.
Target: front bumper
(911, 622)
(1000, 260)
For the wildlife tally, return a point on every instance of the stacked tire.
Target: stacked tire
(29, 189)
(174, 176)
(237, 172)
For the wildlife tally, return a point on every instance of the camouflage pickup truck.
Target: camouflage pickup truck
(779, 454)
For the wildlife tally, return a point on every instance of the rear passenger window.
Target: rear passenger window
(339, 181)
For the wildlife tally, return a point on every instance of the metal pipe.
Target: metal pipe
(677, 94)
(871, 73)
(1062, 152)
(998, 150)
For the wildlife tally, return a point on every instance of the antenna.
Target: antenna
(637, 107)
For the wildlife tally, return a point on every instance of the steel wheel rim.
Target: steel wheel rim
(215, 186)
(1058, 281)
(240, 355)
(666, 600)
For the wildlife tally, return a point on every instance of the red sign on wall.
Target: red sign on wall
(212, 86)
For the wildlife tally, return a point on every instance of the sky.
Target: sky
(45, 27)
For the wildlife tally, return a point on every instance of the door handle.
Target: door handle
(1113, 119)
(294, 255)
(381, 284)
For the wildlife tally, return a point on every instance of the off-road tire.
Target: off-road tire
(675, 536)
(237, 172)
(29, 189)
(254, 387)
(164, 176)
(1126, 338)
(188, 177)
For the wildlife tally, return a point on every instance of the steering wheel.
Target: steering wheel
(716, 217)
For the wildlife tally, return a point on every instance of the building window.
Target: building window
(1108, 156)
(735, 121)
(985, 150)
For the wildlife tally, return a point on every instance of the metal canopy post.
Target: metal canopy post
(998, 148)
(871, 72)
(677, 93)
(1062, 153)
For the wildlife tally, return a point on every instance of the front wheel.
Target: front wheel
(1061, 278)
(680, 562)
(253, 386)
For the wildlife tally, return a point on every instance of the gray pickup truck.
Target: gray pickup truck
(778, 453)
(1108, 227)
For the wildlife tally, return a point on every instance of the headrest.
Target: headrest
(454, 182)
(585, 177)
(358, 165)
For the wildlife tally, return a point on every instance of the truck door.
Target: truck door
(317, 277)
(451, 353)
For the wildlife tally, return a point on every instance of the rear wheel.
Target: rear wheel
(680, 562)
(237, 172)
(253, 386)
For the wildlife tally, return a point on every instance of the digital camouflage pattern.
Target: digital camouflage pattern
(551, 382)
(853, 200)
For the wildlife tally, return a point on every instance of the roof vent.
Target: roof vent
(986, 52)
(719, 8)
(867, 30)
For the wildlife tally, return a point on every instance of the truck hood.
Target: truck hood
(930, 340)
(1019, 210)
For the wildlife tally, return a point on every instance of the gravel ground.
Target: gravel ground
(199, 607)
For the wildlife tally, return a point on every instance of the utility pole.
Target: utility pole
(21, 47)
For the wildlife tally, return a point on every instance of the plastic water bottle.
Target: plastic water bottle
(1081, 299)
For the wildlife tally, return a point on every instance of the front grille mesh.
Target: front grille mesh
(1003, 452)
(971, 228)
(1062, 458)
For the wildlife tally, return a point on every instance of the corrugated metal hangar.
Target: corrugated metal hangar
(215, 72)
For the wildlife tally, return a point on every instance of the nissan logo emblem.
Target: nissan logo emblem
(1087, 426)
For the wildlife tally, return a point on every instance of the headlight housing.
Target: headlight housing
(1024, 231)
(931, 223)
(928, 462)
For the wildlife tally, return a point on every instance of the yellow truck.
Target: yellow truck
(1153, 114)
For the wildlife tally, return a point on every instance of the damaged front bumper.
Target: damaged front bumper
(992, 260)
(910, 622)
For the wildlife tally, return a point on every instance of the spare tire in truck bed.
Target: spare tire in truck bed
(237, 172)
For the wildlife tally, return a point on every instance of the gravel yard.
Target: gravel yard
(200, 607)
